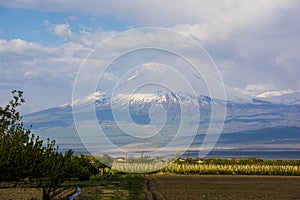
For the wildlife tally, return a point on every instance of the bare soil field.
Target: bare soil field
(170, 186)
(20, 193)
(223, 187)
(28, 193)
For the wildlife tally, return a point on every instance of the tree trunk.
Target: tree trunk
(46, 195)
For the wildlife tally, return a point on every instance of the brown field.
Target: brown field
(20, 193)
(27, 193)
(223, 187)
(169, 186)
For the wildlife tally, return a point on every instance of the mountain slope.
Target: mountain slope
(242, 119)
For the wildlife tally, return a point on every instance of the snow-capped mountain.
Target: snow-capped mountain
(100, 98)
(243, 116)
(290, 98)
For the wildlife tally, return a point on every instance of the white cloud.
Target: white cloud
(46, 22)
(31, 65)
(16, 47)
(275, 93)
(63, 30)
(258, 88)
(255, 43)
(3, 65)
(255, 89)
(31, 74)
(60, 64)
(93, 20)
(264, 91)
(72, 18)
(110, 76)
(155, 12)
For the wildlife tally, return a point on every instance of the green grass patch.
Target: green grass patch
(118, 186)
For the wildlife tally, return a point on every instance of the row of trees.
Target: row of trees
(25, 157)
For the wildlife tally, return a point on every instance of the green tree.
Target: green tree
(56, 169)
(14, 141)
(84, 167)
(106, 159)
(24, 156)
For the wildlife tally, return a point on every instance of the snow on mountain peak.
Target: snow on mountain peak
(282, 97)
(274, 93)
(86, 100)
(139, 97)
(100, 97)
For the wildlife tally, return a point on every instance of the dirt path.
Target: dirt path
(222, 187)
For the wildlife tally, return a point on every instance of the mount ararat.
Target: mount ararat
(251, 125)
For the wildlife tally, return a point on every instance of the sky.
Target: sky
(255, 44)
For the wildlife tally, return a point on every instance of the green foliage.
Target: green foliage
(15, 142)
(144, 159)
(24, 156)
(106, 159)
(83, 167)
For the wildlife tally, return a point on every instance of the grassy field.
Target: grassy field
(118, 186)
(223, 187)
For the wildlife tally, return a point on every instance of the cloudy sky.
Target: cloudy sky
(255, 44)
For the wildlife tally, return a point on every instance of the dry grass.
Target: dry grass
(233, 169)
